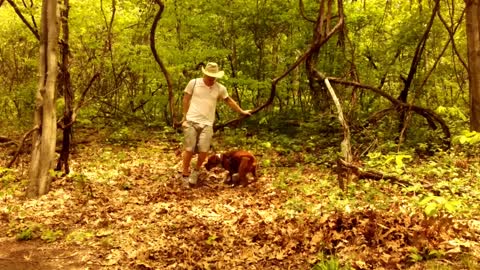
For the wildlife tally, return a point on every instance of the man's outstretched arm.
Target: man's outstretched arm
(232, 104)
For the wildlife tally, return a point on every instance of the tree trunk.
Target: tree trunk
(66, 88)
(414, 66)
(165, 72)
(43, 148)
(473, 43)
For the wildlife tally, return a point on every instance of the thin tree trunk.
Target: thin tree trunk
(413, 70)
(68, 93)
(43, 149)
(473, 43)
(160, 63)
(418, 55)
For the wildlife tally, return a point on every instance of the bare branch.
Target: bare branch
(24, 20)
(302, 11)
(362, 174)
(452, 33)
(22, 142)
(400, 106)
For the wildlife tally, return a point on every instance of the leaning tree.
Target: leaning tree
(45, 124)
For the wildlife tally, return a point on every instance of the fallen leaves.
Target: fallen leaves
(131, 210)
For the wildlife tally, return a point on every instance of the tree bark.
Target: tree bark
(160, 63)
(415, 61)
(345, 146)
(473, 43)
(66, 88)
(43, 141)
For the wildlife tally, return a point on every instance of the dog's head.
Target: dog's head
(213, 161)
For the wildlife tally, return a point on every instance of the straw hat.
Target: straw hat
(212, 70)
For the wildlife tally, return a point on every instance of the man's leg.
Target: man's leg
(203, 144)
(202, 156)
(190, 142)
(187, 157)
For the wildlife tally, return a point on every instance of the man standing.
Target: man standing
(199, 105)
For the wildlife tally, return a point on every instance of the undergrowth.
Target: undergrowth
(299, 159)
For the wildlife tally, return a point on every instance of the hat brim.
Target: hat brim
(214, 75)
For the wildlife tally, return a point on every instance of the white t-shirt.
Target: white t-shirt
(204, 101)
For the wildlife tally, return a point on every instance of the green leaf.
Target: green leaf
(452, 206)
(267, 145)
(431, 209)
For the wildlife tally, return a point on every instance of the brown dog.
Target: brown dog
(241, 162)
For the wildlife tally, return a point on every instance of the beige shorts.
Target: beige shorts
(197, 137)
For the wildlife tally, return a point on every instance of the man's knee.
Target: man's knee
(190, 141)
(205, 139)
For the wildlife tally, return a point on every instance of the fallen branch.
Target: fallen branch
(373, 175)
(8, 143)
(22, 142)
(5, 139)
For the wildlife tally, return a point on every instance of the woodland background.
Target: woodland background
(392, 185)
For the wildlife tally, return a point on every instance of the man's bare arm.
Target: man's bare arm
(232, 104)
(186, 105)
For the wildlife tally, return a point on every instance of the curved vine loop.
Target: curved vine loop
(164, 70)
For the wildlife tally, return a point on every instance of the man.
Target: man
(199, 105)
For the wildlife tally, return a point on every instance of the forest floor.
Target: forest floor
(124, 207)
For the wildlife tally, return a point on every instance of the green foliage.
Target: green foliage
(385, 162)
(25, 235)
(25, 231)
(211, 239)
(79, 237)
(120, 136)
(436, 205)
(253, 41)
(295, 205)
(467, 137)
(417, 256)
(50, 236)
(8, 182)
(282, 181)
(329, 264)
(6, 176)
(455, 118)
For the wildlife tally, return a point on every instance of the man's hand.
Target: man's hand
(247, 112)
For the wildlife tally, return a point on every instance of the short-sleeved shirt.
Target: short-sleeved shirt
(204, 101)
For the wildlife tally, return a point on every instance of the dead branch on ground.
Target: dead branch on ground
(20, 146)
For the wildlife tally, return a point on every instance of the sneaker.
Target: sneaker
(192, 180)
(184, 179)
